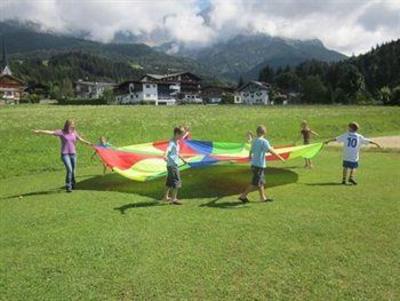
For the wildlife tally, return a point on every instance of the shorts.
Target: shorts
(173, 177)
(350, 164)
(258, 176)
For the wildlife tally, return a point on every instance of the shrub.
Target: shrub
(94, 102)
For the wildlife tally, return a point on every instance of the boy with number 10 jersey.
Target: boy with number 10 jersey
(352, 142)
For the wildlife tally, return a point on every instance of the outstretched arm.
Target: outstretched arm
(314, 133)
(43, 132)
(376, 144)
(272, 151)
(330, 140)
(183, 159)
(84, 141)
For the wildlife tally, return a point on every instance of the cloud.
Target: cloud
(348, 26)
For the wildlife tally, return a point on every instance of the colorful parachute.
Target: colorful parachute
(144, 162)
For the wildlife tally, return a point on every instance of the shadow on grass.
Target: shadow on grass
(154, 203)
(325, 184)
(35, 193)
(214, 182)
(225, 205)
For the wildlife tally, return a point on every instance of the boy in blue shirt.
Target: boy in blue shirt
(352, 142)
(172, 157)
(259, 147)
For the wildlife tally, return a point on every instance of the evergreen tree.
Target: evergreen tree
(288, 81)
(314, 90)
(267, 74)
(240, 82)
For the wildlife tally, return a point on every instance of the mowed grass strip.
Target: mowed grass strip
(24, 153)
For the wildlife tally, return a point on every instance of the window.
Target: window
(131, 96)
(147, 86)
(258, 93)
(148, 95)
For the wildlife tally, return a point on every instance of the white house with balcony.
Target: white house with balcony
(167, 89)
(253, 93)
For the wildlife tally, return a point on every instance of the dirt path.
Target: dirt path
(384, 141)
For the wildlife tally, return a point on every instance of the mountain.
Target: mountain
(72, 66)
(247, 54)
(27, 42)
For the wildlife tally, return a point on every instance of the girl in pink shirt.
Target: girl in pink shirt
(68, 137)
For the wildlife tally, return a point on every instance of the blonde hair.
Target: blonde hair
(354, 126)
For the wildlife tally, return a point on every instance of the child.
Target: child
(351, 151)
(105, 144)
(187, 135)
(260, 146)
(306, 134)
(68, 138)
(249, 136)
(172, 157)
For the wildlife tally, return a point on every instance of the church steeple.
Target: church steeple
(5, 69)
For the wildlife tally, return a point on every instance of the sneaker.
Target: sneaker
(244, 200)
(175, 202)
(69, 190)
(344, 182)
(268, 200)
(351, 180)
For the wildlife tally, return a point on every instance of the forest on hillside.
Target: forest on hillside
(373, 77)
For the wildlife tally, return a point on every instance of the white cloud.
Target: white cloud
(348, 26)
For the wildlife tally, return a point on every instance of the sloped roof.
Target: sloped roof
(261, 85)
(163, 76)
(94, 83)
(2, 76)
(6, 71)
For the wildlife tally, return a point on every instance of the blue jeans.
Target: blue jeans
(69, 161)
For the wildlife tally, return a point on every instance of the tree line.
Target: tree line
(54, 77)
(370, 78)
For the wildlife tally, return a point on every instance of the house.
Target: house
(184, 87)
(216, 94)
(129, 92)
(11, 88)
(91, 90)
(165, 89)
(253, 93)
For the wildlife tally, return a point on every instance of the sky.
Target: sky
(348, 26)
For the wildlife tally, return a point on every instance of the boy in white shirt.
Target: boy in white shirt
(352, 142)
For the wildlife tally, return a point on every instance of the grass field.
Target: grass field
(111, 239)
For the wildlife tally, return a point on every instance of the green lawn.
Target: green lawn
(111, 239)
